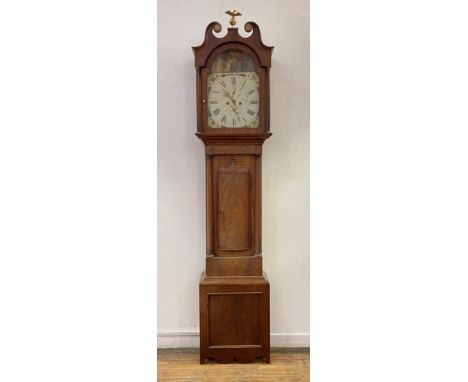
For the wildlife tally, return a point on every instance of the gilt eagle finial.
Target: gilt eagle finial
(233, 15)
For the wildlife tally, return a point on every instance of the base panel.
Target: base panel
(234, 318)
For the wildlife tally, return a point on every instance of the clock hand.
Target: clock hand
(226, 94)
(234, 109)
(231, 97)
(233, 101)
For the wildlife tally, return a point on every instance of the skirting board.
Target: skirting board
(192, 340)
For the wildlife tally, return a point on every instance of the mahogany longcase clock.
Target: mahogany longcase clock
(233, 122)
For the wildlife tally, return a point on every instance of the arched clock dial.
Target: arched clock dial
(233, 100)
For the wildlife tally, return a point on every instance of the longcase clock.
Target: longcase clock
(233, 122)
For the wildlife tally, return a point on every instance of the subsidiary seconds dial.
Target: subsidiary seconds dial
(233, 100)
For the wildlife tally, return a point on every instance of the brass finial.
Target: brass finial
(233, 15)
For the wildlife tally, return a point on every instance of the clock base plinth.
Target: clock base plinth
(234, 318)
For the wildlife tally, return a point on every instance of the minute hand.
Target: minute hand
(243, 84)
(228, 95)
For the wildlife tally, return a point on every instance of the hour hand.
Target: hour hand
(234, 109)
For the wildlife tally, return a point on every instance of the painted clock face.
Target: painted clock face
(233, 100)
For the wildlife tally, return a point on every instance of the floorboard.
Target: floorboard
(287, 365)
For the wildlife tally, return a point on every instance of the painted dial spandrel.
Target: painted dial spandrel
(233, 100)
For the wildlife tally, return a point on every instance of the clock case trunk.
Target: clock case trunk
(234, 291)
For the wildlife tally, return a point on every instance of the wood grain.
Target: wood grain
(233, 193)
(233, 266)
(287, 365)
(234, 208)
(235, 308)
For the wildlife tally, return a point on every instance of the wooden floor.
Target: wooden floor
(291, 365)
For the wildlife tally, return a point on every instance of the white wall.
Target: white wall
(181, 178)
